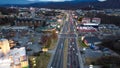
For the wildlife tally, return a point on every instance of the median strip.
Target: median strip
(80, 43)
(65, 53)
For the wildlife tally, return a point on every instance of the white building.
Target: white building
(96, 20)
(14, 58)
(86, 20)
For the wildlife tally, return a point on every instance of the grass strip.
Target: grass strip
(80, 43)
(53, 44)
(40, 61)
(65, 53)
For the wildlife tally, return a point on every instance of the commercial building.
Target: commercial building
(29, 22)
(12, 58)
(91, 40)
(86, 29)
(14, 27)
(86, 20)
(96, 20)
(91, 22)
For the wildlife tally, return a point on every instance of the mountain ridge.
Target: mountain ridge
(113, 4)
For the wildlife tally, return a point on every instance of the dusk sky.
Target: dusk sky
(32, 1)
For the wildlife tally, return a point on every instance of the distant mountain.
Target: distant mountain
(72, 4)
(108, 4)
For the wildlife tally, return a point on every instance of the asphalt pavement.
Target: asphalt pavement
(74, 56)
(57, 61)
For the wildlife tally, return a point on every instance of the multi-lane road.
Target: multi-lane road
(58, 57)
(73, 52)
(57, 61)
(73, 55)
(72, 58)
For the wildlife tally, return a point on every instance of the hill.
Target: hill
(72, 4)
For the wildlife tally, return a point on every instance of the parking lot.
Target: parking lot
(24, 38)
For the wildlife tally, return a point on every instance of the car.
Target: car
(73, 49)
(78, 67)
(29, 43)
(70, 46)
(29, 49)
(72, 42)
(71, 39)
(90, 66)
(74, 62)
(106, 49)
(76, 53)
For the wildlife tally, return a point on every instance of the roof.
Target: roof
(21, 51)
(16, 55)
(30, 19)
(91, 24)
(15, 27)
(92, 39)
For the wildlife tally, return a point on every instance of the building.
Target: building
(86, 28)
(91, 22)
(5, 48)
(86, 20)
(91, 40)
(96, 20)
(29, 22)
(12, 58)
(15, 27)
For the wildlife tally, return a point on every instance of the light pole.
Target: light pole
(34, 62)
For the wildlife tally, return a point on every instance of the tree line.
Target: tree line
(105, 19)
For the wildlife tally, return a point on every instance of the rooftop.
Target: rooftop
(13, 58)
(92, 39)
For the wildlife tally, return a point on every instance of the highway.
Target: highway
(72, 58)
(57, 61)
(73, 52)
(73, 61)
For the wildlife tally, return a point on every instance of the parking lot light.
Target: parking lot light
(33, 59)
(84, 49)
(90, 66)
(34, 64)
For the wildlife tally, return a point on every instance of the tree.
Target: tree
(107, 60)
(54, 34)
(80, 19)
(105, 19)
(112, 44)
(117, 46)
(46, 41)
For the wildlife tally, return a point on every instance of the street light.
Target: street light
(33, 58)
(84, 49)
(34, 64)
(90, 66)
(34, 61)
(59, 20)
(57, 32)
(58, 26)
(45, 49)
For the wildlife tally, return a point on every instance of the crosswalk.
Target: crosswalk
(67, 35)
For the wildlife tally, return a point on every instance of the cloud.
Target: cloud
(102, 0)
(31, 0)
(54, 0)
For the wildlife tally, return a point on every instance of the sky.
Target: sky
(32, 1)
